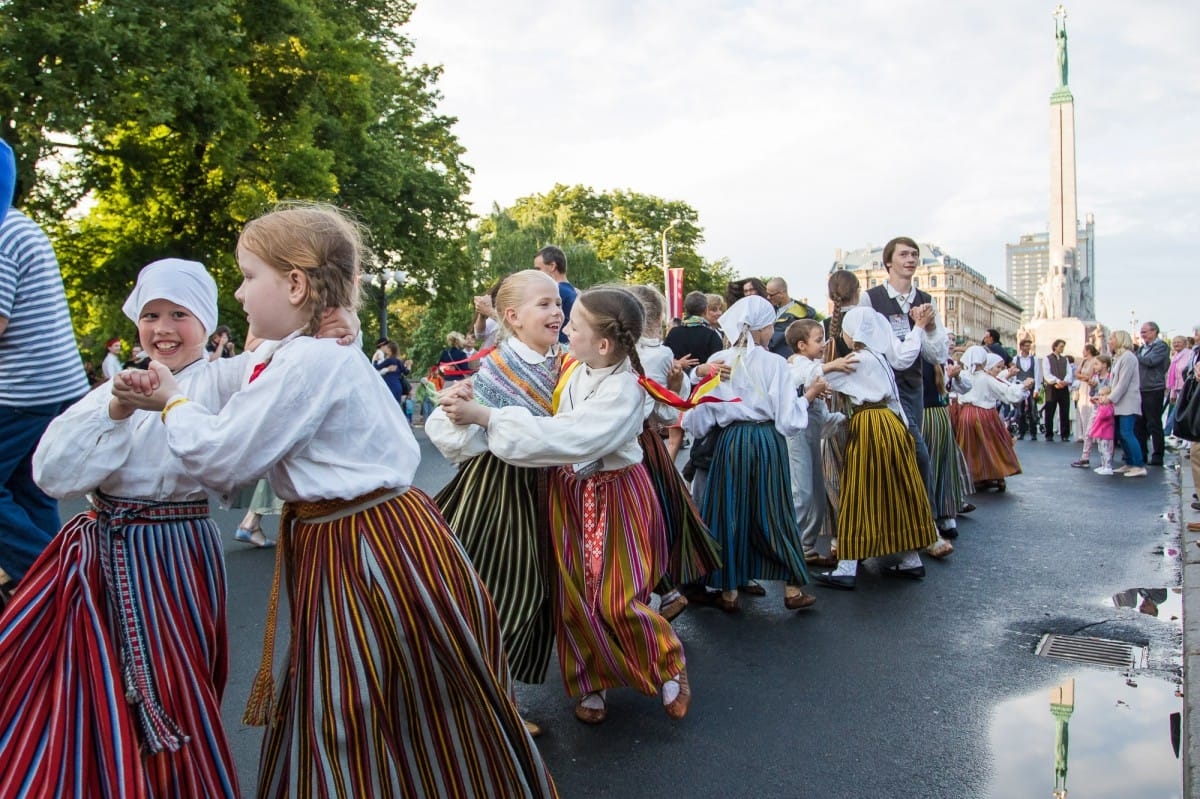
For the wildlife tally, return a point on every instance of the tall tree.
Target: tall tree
(181, 121)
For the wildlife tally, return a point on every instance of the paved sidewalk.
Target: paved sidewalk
(1191, 632)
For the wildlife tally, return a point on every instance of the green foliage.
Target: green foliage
(607, 236)
(181, 121)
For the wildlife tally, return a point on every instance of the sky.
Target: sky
(797, 127)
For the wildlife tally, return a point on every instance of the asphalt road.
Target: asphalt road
(886, 691)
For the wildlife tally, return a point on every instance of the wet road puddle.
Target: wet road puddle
(1102, 734)
(1162, 603)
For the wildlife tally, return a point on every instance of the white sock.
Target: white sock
(911, 560)
(947, 523)
(846, 568)
(670, 596)
(593, 701)
(670, 690)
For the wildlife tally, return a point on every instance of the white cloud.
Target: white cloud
(797, 128)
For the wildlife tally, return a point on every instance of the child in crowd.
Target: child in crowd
(843, 289)
(693, 552)
(747, 502)
(985, 441)
(610, 547)
(806, 338)
(114, 655)
(1097, 380)
(387, 616)
(501, 512)
(883, 508)
(1103, 429)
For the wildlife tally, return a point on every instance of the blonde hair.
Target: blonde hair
(319, 240)
(1124, 341)
(512, 291)
(654, 306)
(456, 340)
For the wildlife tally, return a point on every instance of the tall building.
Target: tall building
(967, 302)
(1027, 261)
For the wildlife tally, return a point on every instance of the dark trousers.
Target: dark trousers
(1148, 428)
(1027, 414)
(1058, 398)
(28, 517)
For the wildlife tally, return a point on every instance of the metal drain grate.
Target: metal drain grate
(1101, 651)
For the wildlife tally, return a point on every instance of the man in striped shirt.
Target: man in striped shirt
(41, 374)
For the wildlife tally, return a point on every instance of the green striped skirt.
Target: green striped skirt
(948, 463)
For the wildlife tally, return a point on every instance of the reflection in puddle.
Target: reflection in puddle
(1163, 603)
(1097, 735)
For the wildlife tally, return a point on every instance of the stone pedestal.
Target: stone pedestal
(1076, 332)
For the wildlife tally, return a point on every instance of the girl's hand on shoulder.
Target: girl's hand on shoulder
(844, 364)
(340, 324)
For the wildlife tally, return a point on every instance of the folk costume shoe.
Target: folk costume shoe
(677, 708)
(592, 708)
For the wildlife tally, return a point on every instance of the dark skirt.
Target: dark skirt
(748, 508)
(692, 552)
(986, 444)
(501, 514)
(147, 592)
(395, 682)
(884, 508)
(947, 462)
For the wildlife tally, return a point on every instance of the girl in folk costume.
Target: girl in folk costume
(982, 435)
(501, 511)
(395, 681)
(951, 476)
(113, 656)
(844, 293)
(693, 552)
(748, 501)
(610, 548)
(883, 508)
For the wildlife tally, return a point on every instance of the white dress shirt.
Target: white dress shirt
(935, 347)
(987, 391)
(763, 382)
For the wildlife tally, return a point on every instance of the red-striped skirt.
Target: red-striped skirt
(131, 608)
(611, 551)
(396, 682)
(985, 443)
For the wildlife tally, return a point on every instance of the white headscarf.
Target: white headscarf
(974, 356)
(185, 283)
(748, 313)
(992, 361)
(868, 327)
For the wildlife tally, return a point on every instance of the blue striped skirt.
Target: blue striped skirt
(748, 508)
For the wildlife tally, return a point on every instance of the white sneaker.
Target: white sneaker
(1102, 470)
(1136, 471)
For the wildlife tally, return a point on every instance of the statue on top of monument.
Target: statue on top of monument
(1060, 37)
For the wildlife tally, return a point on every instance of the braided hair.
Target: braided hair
(843, 291)
(617, 316)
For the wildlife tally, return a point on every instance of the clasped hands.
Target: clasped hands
(458, 403)
(922, 316)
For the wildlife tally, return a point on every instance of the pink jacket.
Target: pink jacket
(1103, 423)
(1177, 371)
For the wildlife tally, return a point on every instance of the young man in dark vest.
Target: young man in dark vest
(1058, 375)
(1027, 413)
(896, 300)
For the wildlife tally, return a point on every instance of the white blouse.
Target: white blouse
(459, 443)
(599, 417)
(656, 363)
(871, 381)
(764, 385)
(317, 422)
(85, 449)
(987, 391)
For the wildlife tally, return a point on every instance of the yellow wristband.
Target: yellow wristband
(175, 403)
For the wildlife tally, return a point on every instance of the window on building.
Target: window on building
(933, 281)
(949, 303)
(917, 282)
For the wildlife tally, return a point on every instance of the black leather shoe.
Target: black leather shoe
(915, 573)
(949, 534)
(967, 507)
(842, 581)
(1022, 438)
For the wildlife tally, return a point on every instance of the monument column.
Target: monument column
(1064, 219)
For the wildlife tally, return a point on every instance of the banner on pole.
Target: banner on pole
(674, 294)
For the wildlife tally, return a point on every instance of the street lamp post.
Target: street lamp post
(382, 281)
(666, 265)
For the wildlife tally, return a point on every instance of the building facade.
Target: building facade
(967, 302)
